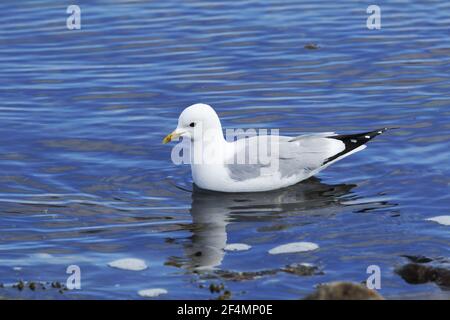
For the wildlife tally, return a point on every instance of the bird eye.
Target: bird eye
(192, 124)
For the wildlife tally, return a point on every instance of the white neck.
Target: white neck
(212, 149)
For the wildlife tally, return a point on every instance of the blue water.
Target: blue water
(85, 180)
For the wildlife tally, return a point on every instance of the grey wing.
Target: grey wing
(246, 163)
(304, 154)
(298, 155)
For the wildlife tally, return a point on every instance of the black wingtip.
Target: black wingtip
(353, 141)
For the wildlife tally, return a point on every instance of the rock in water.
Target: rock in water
(417, 273)
(444, 220)
(294, 247)
(302, 269)
(129, 264)
(152, 293)
(237, 247)
(343, 291)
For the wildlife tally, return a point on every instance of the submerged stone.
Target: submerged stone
(152, 293)
(414, 273)
(131, 264)
(294, 247)
(237, 247)
(311, 46)
(418, 259)
(343, 291)
(444, 220)
(302, 269)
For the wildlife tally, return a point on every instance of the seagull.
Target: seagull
(214, 160)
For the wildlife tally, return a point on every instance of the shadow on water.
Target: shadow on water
(212, 212)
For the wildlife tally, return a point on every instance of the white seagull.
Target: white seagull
(214, 162)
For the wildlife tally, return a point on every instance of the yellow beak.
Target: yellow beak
(171, 136)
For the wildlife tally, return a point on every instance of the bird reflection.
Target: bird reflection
(213, 211)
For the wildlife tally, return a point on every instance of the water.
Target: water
(85, 180)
